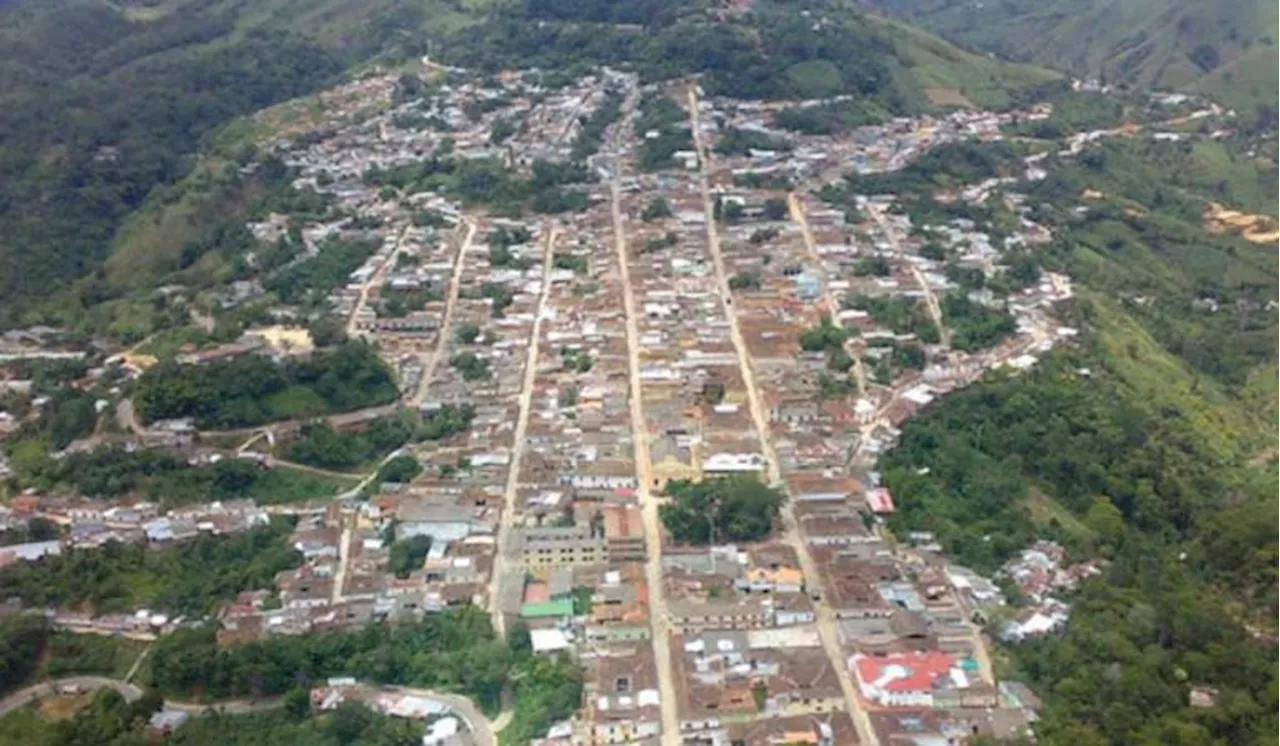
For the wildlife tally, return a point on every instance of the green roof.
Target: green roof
(562, 607)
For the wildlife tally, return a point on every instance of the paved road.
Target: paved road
(833, 304)
(931, 300)
(376, 278)
(463, 707)
(451, 302)
(826, 621)
(659, 619)
(498, 577)
(24, 697)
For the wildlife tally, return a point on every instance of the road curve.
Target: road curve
(480, 726)
(24, 697)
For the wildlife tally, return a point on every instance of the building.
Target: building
(561, 546)
(623, 533)
(910, 679)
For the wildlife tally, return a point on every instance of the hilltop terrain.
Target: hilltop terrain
(1224, 48)
(134, 90)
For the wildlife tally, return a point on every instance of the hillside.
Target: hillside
(100, 103)
(1148, 441)
(1226, 48)
(105, 201)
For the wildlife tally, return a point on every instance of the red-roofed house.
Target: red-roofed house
(880, 500)
(907, 679)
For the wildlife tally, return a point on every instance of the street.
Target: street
(661, 632)
(498, 578)
(826, 620)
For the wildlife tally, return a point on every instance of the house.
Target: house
(28, 552)
(908, 679)
(442, 522)
(623, 533)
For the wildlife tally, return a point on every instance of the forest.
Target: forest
(131, 101)
(109, 718)
(252, 389)
(191, 577)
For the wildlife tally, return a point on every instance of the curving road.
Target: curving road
(481, 728)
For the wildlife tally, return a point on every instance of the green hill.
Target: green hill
(1224, 48)
(100, 103)
(104, 106)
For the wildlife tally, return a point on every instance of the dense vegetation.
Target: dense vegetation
(109, 718)
(1224, 48)
(947, 166)
(165, 477)
(320, 445)
(31, 650)
(769, 53)
(407, 555)
(974, 326)
(487, 181)
(455, 651)
(191, 577)
(727, 509)
(251, 389)
(128, 101)
(1149, 442)
(899, 315)
(310, 280)
(22, 641)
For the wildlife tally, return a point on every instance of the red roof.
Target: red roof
(537, 593)
(880, 500)
(904, 672)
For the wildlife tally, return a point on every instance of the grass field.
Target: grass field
(283, 486)
(69, 654)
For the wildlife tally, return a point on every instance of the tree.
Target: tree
(297, 703)
(657, 209)
(327, 332)
(400, 469)
(737, 508)
(775, 208)
(407, 555)
(471, 366)
(349, 721)
(825, 336)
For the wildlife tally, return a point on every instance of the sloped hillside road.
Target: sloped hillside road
(482, 729)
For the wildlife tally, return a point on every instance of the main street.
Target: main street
(375, 280)
(451, 302)
(832, 303)
(658, 617)
(931, 300)
(498, 578)
(826, 620)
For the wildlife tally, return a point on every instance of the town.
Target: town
(698, 298)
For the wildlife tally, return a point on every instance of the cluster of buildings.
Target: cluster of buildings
(86, 523)
(600, 356)
(1042, 574)
(570, 367)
